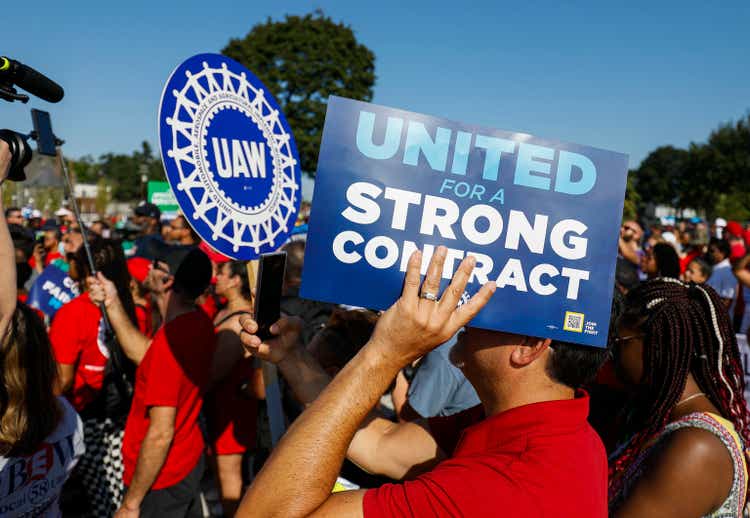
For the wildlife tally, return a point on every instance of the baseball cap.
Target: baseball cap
(49, 225)
(212, 254)
(734, 228)
(147, 209)
(138, 268)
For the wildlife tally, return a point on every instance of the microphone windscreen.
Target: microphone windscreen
(38, 84)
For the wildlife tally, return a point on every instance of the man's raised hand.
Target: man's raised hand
(286, 338)
(420, 320)
(101, 290)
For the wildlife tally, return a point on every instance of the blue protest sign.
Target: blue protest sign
(51, 290)
(229, 156)
(541, 217)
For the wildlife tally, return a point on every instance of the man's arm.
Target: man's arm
(8, 293)
(134, 344)
(741, 271)
(380, 446)
(151, 458)
(629, 251)
(65, 375)
(298, 477)
(398, 451)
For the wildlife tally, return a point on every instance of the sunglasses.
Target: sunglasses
(155, 264)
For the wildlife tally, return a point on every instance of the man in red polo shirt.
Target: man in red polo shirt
(534, 454)
(163, 446)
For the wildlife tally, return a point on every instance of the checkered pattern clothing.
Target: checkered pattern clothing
(101, 467)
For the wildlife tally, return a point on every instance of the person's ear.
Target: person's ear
(529, 350)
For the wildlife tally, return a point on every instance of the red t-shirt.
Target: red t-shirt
(143, 317)
(533, 461)
(47, 259)
(174, 372)
(209, 306)
(77, 336)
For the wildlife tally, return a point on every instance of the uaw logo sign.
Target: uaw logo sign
(230, 156)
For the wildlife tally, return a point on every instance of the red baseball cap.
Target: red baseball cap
(212, 254)
(734, 228)
(138, 268)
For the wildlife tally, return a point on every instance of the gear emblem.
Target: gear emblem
(230, 156)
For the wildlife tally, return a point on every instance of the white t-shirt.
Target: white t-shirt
(31, 486)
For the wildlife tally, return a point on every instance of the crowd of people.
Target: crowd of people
(693, 251)
(145, 394)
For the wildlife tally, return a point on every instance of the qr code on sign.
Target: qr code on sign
(573, 322)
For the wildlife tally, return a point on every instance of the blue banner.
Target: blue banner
(540, 216)
(51, 290)
(230, 156)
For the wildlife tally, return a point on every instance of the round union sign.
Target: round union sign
(230, 156)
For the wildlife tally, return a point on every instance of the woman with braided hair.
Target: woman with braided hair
(688, 421)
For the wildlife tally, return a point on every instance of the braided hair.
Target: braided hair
(686, 330)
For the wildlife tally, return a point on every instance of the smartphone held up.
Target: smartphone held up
(268, 290)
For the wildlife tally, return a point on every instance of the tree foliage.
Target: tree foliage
(122, 173)
(632, 199)
(303, 60)
(711, 177)
(660, 175)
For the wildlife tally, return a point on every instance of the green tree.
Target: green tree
(632, 199)
(84, 170)
(735, 205)
(8, 191)
(124, 172)
(728, 150)
(48, 199)
(659, 178)
(710, 177)
(303, 60)
(102, 196)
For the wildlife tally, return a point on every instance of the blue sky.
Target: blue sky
(622, 77)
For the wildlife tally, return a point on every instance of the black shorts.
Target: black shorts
(181, 499)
